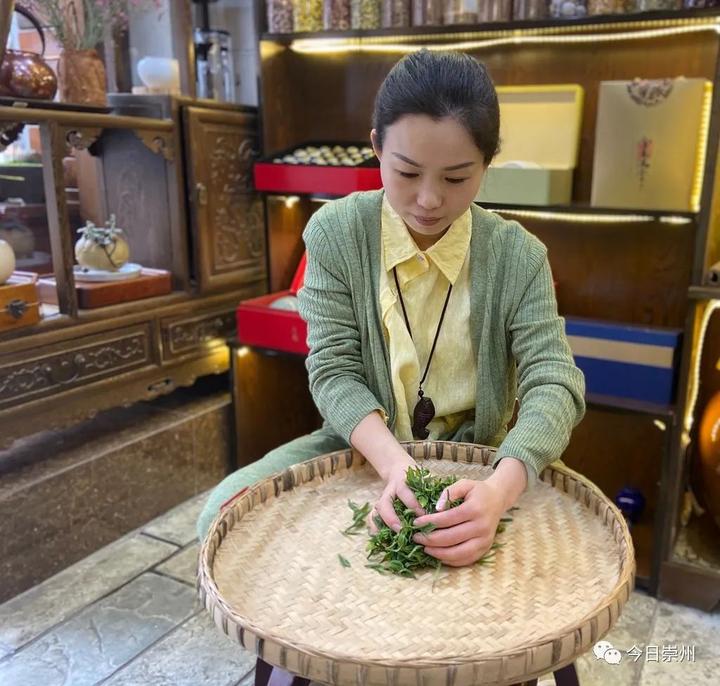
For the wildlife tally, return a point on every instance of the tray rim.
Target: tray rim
(585, 492)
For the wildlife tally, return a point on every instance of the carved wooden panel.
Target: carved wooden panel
(192, 335)
(227, 216)
(54, 369)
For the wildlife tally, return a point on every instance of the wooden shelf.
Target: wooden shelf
(587, 210)
(622, 213)
(611, 22)
(629, 405)
(698, 545)
(704, 292)
(692, 574)
(642, 535)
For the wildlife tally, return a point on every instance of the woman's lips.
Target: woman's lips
(427, 221)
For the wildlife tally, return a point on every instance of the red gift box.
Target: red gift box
(278, 177)
(262, 326)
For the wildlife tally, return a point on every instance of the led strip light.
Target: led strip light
(517, 37)
(590, 218)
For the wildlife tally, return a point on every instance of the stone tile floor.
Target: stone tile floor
(128, 615)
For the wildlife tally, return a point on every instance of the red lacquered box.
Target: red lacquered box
(282, 177)
(262, 326)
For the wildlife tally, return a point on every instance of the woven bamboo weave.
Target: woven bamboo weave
(271, 578)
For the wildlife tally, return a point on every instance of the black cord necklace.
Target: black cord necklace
(424, 409)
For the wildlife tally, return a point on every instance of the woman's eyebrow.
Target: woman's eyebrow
(415, 164)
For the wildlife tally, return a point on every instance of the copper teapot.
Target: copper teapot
(25, 74)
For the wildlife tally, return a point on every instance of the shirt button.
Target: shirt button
(421, 258)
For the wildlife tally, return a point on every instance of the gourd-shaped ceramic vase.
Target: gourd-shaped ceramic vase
(7, 261)
(710, 456)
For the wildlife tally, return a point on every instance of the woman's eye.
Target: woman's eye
(407, 175)
(456, 180)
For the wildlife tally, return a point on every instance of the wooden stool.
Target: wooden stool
(267, 675)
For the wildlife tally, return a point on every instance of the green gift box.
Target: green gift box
(539, 138)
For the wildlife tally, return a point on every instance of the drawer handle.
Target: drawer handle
(17, 308)
(163, 386)
(65, 371)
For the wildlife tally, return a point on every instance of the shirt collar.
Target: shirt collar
(448, 254)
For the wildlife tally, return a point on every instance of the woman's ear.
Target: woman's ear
(375, 141)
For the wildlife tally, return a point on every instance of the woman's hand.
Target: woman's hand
(466, 532)
(395, 486)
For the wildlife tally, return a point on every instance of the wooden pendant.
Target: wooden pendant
(422, 415)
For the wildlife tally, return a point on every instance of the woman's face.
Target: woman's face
(431, 170)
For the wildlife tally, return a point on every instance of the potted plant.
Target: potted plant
(79, 26)
(102, 248)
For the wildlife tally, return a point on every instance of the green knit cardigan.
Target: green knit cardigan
(522, 351)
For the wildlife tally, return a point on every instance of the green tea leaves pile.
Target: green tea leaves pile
(396, 553)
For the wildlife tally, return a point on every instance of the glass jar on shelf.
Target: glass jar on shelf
(598, 7)
(336, 15)
(494, 10)
(567, 9)
(651, 5)
(461, 12)
(307, 15)
(395, 14)
(530, 9)
(365, 14)
(427, 12)
(280, 16)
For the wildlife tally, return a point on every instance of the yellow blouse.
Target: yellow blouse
(424, 278)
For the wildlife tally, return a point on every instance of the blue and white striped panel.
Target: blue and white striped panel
(625, 361)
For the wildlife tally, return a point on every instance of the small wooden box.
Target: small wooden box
(19, 303)
(90, 295)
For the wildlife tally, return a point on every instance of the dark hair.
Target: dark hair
(441, 84)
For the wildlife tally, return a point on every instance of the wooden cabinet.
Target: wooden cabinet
(228, 220)
(74, 362)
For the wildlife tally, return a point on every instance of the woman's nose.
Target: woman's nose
(429, 199)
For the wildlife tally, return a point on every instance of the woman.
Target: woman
(427, 316)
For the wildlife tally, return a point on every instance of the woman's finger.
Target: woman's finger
(460, 555)
(386, 511)
(453, 492)
(370, 522)
(409, 500)
(452, 517)
(454, 535)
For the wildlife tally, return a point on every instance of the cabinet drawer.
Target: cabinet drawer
(192, 335)
(53, 369)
